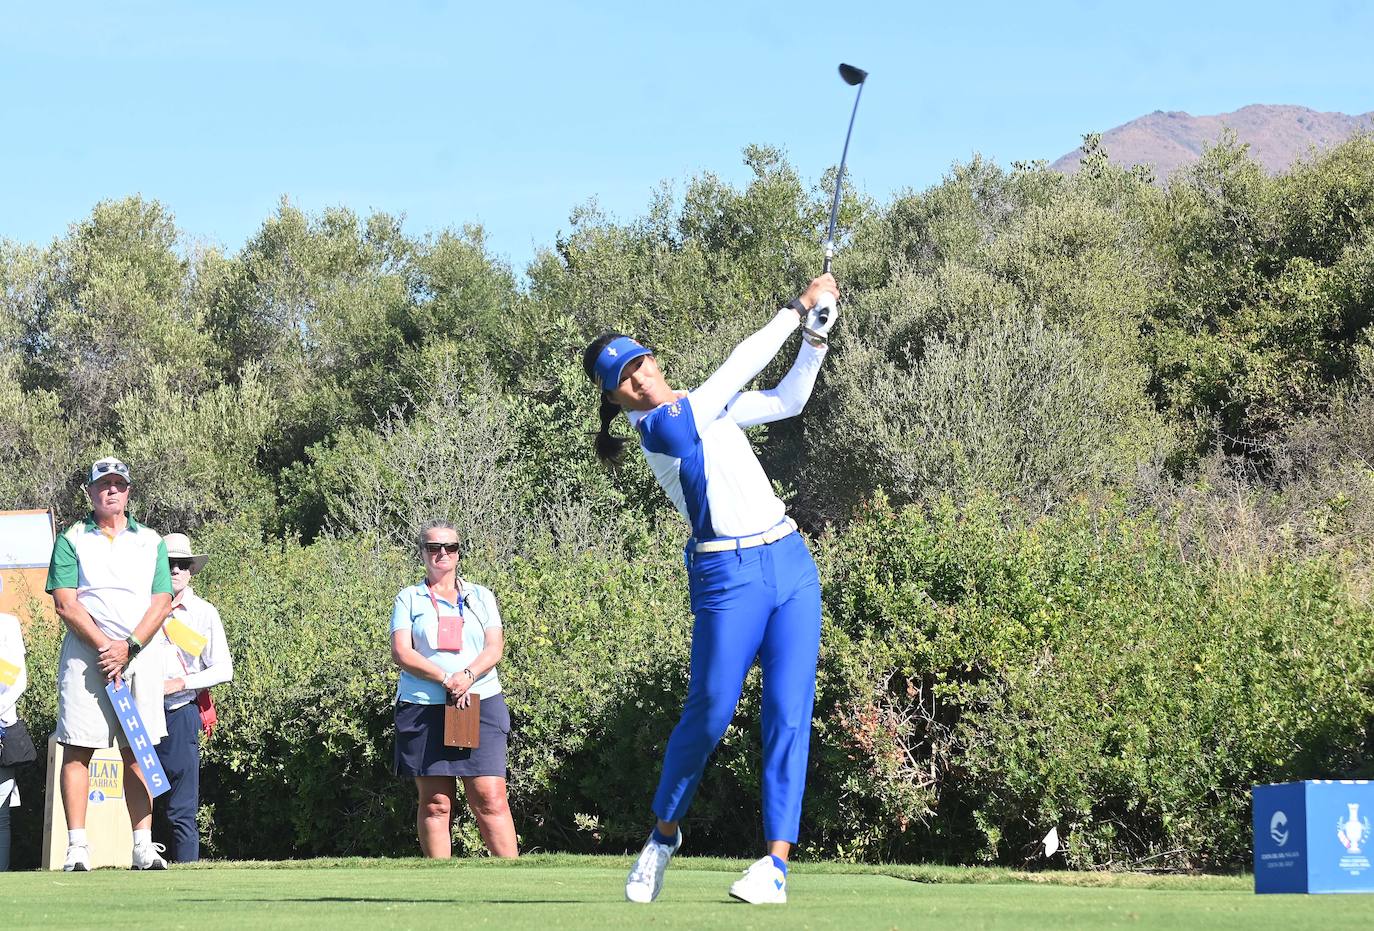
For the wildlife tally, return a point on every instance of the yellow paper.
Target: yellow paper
(9, 673)
(184, 637)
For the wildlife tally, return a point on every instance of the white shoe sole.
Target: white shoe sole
(770, 900)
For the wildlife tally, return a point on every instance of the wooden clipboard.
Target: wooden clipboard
(462, 725)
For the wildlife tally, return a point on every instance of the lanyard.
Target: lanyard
(438, 613)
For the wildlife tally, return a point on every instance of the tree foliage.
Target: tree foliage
(1089, 468)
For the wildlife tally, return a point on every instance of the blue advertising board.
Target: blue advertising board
(1314, 836)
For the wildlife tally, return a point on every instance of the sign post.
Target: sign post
(137, 735)
(107, 818)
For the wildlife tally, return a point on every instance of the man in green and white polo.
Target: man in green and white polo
(110, 580)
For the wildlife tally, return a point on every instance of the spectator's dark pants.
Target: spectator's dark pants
(6, 774)
(180, 755)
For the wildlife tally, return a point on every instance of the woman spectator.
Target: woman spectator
(446, 637)
(13, 680)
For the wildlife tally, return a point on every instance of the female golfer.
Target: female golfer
(754, 590)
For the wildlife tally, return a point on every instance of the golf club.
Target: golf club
(853, 77)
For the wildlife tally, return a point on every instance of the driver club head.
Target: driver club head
(852, 75)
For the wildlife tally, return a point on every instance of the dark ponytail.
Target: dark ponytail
(609, 449)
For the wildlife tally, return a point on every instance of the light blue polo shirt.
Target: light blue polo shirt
(414, 611)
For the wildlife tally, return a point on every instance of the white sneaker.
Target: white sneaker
(78, 859)
(762, 884)
(646, 876)
(149, 857)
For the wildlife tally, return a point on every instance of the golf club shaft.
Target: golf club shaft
(839, 183)
(839, 186)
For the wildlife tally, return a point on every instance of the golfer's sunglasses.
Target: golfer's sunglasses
(446, 547)
(180, 564)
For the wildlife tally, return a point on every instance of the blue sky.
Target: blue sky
(510, 116)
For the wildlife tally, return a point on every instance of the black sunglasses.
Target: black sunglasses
(446, 547)
(180, 563)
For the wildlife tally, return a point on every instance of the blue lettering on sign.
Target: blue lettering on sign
(136, 734)
(97, 796)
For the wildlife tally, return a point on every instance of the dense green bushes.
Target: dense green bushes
(1077, 672)
(982, 679)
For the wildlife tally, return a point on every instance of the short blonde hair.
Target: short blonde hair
(427, 526)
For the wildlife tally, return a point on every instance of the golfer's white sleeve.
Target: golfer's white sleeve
(786, 400)
(744, 364)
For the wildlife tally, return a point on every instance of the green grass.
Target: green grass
(556, 892)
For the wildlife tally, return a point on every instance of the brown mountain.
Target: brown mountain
(1277, 135)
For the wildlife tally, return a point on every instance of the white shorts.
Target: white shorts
(85, 717)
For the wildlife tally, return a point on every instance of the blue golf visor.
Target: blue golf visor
(612, 361)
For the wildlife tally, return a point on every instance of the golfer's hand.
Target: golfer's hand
(816, 330)
(464, 701)
(818, 286)
(114, 656)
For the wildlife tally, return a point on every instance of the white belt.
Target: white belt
(771, 535)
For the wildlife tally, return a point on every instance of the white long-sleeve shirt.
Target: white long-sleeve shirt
(212, 665)
(12, 652)
(697, 447)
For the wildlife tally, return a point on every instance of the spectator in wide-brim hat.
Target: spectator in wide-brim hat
(109, 580)
(198, 658)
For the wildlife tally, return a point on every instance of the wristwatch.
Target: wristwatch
(134, 645)
(797, 305)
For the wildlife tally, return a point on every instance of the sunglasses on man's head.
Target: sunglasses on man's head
(118, 468)
(180, 564)
(446, 547)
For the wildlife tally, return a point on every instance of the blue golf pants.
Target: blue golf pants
(760, 602)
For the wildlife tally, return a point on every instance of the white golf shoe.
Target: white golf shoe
(149, 857)
(646, 876)
(78, 859)
(762, 884)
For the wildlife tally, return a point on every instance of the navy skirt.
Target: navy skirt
(420, 749)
